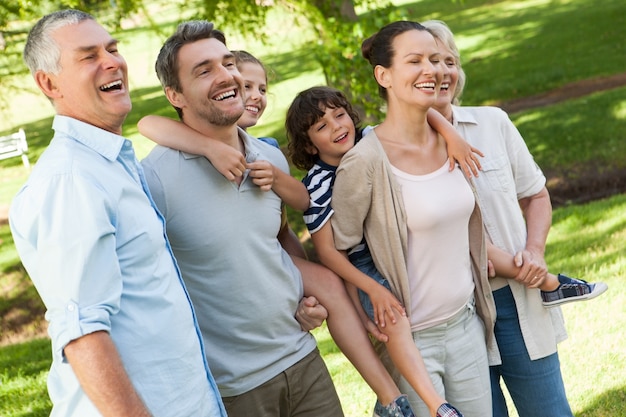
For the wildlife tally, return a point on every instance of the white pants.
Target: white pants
(455, 354)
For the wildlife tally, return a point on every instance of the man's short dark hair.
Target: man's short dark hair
(187, 32)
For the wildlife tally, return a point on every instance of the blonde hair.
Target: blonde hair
(442, 33)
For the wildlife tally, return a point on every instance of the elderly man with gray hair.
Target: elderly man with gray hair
(124, 336)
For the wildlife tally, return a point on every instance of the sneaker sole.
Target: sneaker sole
(599, 289)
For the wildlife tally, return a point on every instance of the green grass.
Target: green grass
(24, 369)
(511, 49)
(578, 138)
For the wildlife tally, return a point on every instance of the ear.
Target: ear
(311, 149)
(47, 84)
(382, 76)
(175, 98)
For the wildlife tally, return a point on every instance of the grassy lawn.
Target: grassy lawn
(510, 49)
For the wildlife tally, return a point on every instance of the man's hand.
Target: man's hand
(534, 269)
(310, 313)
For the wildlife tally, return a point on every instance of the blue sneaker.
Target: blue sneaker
(571, 289)
(448, 410)
(400, 407)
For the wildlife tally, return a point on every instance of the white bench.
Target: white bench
(14, 145)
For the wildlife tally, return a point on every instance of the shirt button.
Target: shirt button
(71, 307)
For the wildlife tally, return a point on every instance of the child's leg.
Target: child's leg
(400, 345)
(555, 290)
(346, 327)
(408, 359)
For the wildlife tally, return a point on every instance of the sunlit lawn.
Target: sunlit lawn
(511, 49)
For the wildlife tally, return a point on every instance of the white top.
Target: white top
(509, 174)
(438, 207)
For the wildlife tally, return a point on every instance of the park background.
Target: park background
(558, 67)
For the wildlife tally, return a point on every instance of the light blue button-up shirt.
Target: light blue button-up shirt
(94, 245)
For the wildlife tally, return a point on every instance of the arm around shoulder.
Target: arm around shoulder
(290, 190)
(177, 135)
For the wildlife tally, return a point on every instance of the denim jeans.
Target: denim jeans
(363, 262)
(536, 387)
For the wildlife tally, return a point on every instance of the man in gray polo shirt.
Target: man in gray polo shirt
(243, 285)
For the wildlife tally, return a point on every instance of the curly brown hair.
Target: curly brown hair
(305, 110)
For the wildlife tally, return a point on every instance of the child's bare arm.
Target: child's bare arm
(174, 134)
(382, 299)
(508, 266)
(291, 190)
(458, 149)
(288, 188)
(369, 325)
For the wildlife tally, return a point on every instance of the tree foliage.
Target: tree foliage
(336, 27)
(337, 32)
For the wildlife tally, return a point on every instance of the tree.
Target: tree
(11, 40)
(336, 26)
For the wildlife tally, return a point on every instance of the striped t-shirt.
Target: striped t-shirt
(319, 183)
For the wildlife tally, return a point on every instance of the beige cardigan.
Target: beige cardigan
(367, 201)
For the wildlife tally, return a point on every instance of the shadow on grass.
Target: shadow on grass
(21, 309)
(520, 36)
(610, 403)
(28, 363)
(26, 359)
(594, 226)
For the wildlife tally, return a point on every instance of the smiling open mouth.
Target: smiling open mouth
(115, 85)
(427, 85)
(226, 95)
(345, 135)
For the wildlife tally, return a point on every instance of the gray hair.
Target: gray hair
(442, 33)
(41, 52)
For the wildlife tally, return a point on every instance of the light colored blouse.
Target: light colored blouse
(438, 207)
(368, 201)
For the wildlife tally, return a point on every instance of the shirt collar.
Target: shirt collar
(461, 115)
(326, 166)
(105, 143)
